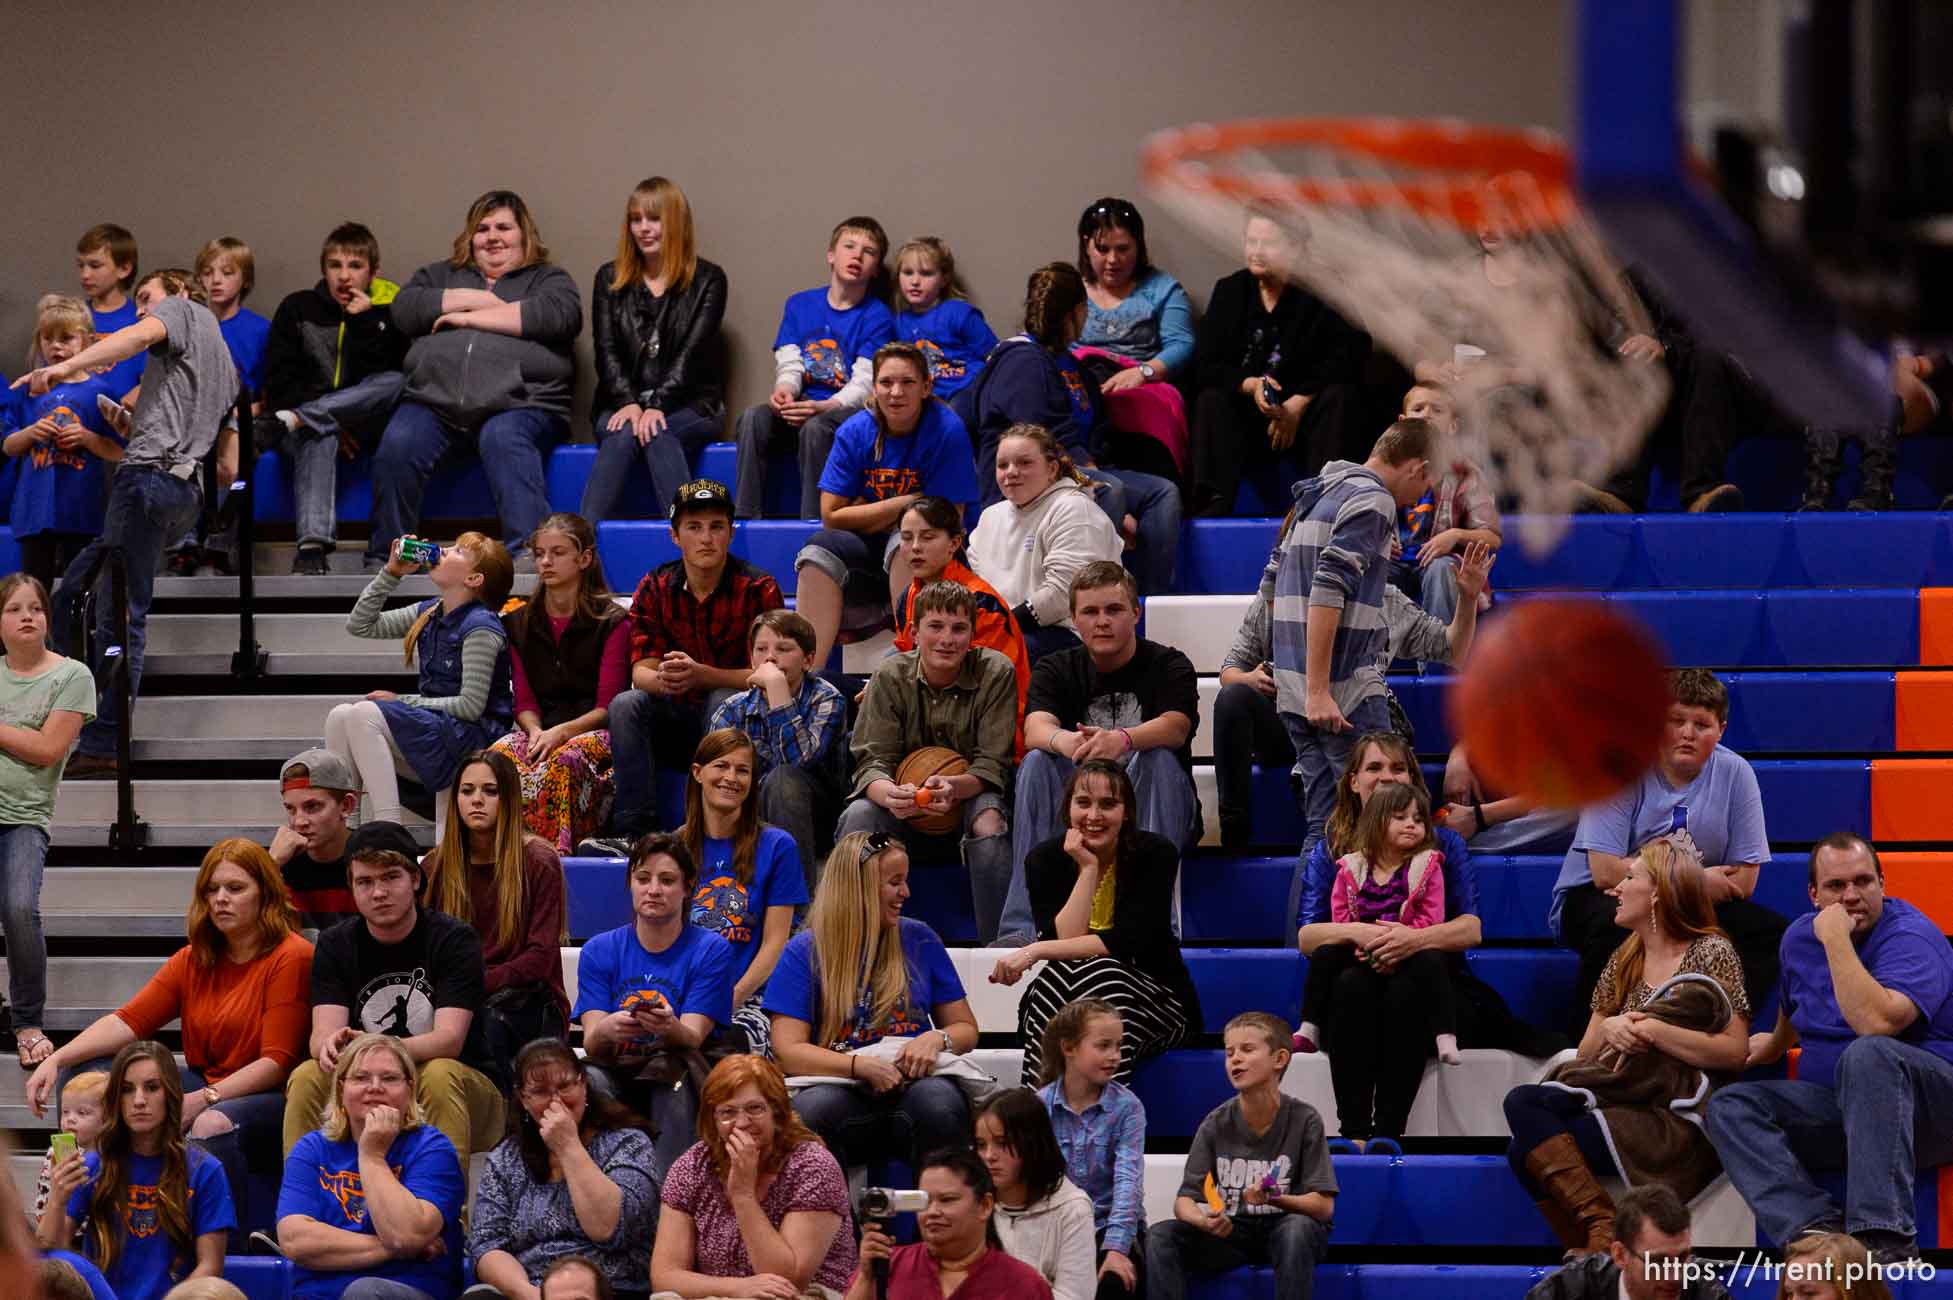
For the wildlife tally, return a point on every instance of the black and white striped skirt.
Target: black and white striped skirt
(1154, 1019)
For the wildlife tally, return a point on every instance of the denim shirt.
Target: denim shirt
(1105, 1156)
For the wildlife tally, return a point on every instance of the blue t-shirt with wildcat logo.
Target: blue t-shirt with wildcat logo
(322, 1182)
(832, 338)
(736, 912)
(148, 1264)
(794, 989)
(63, 491)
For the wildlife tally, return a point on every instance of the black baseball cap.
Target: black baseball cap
(701, 494)
(381, 837)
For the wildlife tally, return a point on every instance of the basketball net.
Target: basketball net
(1388, 217)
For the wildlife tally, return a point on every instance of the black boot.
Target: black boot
(1876, 466)
(1823, 455)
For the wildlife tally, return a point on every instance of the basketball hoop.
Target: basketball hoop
(1455, 244)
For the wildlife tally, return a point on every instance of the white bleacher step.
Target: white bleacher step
(115, 902)
(1201, 627)
(296, 643)
(26, 1170)
(81, 990)
(280, 583)
(271, 727)
(182, 812)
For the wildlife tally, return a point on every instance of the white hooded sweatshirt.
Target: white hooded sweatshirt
(1029, 553)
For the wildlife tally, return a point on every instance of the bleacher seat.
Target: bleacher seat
(259, 1277)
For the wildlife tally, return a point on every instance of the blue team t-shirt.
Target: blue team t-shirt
(63, 491)
(956, 339)
(1904, 951)
(322, 1182)
(124, 375)
(695, 975)
(794, 989)
(934, 459)
(98, 1286)
(736, 912)
(1722, 810)
(832, 338)
(148, 1265)
(245, 335)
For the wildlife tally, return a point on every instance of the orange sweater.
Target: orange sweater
(232, 1014)
(995, 629)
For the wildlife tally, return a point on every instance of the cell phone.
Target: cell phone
(1268, 393)
(62, 417)
(416, 551)
(112, 411)
(61, 1146)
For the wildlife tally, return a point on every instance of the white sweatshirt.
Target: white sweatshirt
(1030, 553)
(1054, 1236)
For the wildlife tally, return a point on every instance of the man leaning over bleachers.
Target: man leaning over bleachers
(1868, 995)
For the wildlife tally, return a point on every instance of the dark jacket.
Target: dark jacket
(661, 353)
(315, 348)
(465, 375)
(1311, 345)
(562, 675)
(1021, 383)
(1598, 1278)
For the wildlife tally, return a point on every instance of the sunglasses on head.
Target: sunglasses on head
(1115, 208)
(879, 842)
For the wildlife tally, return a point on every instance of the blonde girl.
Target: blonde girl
(931, 313)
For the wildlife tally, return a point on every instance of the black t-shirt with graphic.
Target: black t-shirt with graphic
(395, 988)
(1157, 679)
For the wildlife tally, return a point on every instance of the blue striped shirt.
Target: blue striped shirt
(1336, 556)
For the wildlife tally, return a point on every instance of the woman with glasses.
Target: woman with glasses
(371, 1204)
(859, 974)
(758, 1206)
(573, 1178)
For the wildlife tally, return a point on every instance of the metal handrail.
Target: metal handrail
(248, 664)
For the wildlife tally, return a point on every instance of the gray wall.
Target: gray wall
(991, 124)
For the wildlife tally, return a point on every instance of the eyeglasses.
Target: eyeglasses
(733, 1114)
(879, 842)
(362, 1079)
(540, 1092)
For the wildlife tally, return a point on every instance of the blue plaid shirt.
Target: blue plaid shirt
(799, 734)
(1105, 1154)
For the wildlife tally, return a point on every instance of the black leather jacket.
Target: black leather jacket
(659, 353)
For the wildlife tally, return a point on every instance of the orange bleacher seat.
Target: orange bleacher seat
(1925, 880)
(1936, 626)
(1910, 799)
(1923, 711)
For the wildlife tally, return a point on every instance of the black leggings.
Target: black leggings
(1537, 1113)
(1378, 1029)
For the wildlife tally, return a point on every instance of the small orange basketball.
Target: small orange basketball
(1562, 701)
(919, 766)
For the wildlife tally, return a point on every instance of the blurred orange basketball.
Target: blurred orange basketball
(1562, 701)
(919, 766)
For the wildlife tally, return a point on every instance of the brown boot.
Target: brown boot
(1561, 1172)
(1571, 1235)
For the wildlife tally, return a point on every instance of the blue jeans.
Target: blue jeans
(907, 1123)
(416, 443)
(147, 509)
(646, 730)
(1319, 759)
(23, 856)
(1291, 1244)
(1891, 1109)
(380, 1288)
(669, 456)
(362, 410)
(1155, 503)
(255, 1143)
(1433, 586)
(759, 431)
(1167, 806)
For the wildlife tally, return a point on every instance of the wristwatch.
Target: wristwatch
(949, 1044)
(1146, 371)
(211, 1096)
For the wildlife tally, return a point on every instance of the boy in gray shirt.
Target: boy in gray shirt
(189, 386)
(1258, 1188)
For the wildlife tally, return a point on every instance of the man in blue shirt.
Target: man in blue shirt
(1868, 992)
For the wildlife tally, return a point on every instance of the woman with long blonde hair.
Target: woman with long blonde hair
(753, 1152)
(1563, 1140)
(490, 871)
(861, 972)
(655, 312)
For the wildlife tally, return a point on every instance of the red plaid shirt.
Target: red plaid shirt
(666, 616)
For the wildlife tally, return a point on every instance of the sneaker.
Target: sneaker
(1889, 1249)
(1722, 497)
(182, 564)
(482, 1291)
(1301, 1042)
(91, 767)
(372, 563)
(216, 564)
(605, 846)
(311, 560)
